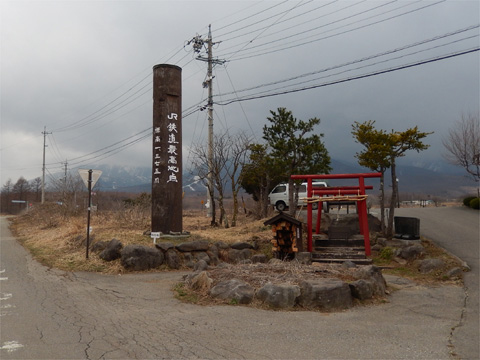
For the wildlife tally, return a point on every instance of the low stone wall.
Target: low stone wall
(200, 256)
(323, 293)
(184, 255)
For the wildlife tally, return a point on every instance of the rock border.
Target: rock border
(320, 293)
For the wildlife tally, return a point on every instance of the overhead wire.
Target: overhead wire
(296, 44)
(268, 27)
(120, 101)
(309, 12)
(278, 32)
(316, 19)
(118, 146)
(54, 147)
(241, 105)
(362, 76)
(363, 59)
(248, 17)
(261, 21)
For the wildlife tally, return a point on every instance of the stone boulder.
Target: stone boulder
(200, 265)
(411, 252)
(400, 243)
(348, 264)
(233, 289)
(199, 281)
(279, 296)
(220, 245)
(139, 257)
(172, 259)
(98, 247)
(164, 246)
(201, 255)
(455, 272)
(327, 294)
(374, 275)
(304, 258)
(428, 265)
(112, 250)
(190, 246)
(259, 258)
(241, 246)
(213, 256)
(188, 260)
(361, 289)
(237, 256)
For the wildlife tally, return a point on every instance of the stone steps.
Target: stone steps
(340, 253)
(340, 261)
(339, 243)
(340, 250)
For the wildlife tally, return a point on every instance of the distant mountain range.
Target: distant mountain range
(432, 179)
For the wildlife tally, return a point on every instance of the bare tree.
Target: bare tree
(36, 185)
(221, 154)
(202, 168)
(463, 145)
(21, 189)
(229, 155)
(6, 196)
(237, 149)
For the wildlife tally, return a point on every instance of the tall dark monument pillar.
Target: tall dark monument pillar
(167, 149)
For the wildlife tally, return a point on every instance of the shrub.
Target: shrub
(467, 200)
(386, 253)
(475, 203)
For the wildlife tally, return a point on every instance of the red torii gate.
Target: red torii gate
(342, 191)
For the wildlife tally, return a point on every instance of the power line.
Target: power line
(308, 12)
(296, 44)
(370, 57)
(268, 27)
(248, 17)
(116, 147)
(402, 67)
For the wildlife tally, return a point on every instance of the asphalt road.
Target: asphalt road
(49, 314)
(457, 230)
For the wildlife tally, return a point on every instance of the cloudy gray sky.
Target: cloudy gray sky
(83, 70)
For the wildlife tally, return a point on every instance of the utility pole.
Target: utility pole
(45, 133)
(65, 177)
(65, 183)
(198, 44)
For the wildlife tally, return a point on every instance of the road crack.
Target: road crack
(461, 321)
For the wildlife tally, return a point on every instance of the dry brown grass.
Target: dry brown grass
(199, 225)
(59, 240)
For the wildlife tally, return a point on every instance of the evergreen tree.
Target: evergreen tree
(295, 149)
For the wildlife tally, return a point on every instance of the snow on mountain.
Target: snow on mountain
(427, 179)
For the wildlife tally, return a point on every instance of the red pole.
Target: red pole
(346, 190)
(363, 218)
(309, 217)
(319, 217)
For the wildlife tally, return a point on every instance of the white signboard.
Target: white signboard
(84, 175)
(155, 236)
